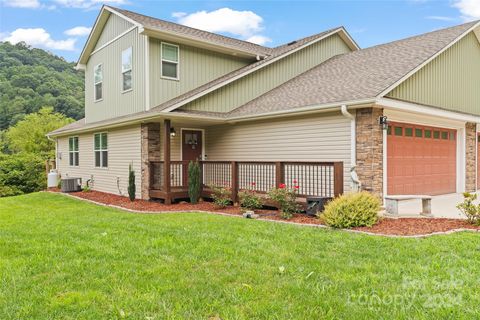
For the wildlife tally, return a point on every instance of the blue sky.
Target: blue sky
(61, 26)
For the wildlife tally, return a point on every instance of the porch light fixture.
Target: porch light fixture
(172, 132)
(383, 121)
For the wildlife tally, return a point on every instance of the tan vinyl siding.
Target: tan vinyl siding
(249, 87)
(123, 149)
(116, 103)
(114, 27)
(197, 66)
(307, 138)
(451, 81)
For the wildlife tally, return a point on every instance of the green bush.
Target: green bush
(352, 210)
(194, 185)
(7, 191)
(250, 200)
(131, 183)
(286, 199)
(469, 209)
(221, 196)
(22, 173)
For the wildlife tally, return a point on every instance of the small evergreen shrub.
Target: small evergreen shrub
(469, 209)
(194, 184)
(249, 199)
(131, 183)
(221, 196)
(352, 210)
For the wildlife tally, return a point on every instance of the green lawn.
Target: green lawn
(65, 259)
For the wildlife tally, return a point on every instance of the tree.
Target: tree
(194, 183)
(29, 134)
(131, 183)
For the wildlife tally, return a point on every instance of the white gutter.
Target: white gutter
(353, 136)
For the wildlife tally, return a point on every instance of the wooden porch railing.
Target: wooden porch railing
(324, 179)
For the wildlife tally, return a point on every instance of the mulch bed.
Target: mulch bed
(386, 226)
(416, 226)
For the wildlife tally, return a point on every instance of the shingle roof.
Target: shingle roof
(357, 75)
(72, 126)
(275, 53)
(162, 25)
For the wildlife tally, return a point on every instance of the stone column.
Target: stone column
(470, 157)
(369, 149)
(150, 152)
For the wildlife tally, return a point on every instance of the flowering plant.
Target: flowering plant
(286, 198)
(249, 199)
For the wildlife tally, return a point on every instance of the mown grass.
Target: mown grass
(65, 259)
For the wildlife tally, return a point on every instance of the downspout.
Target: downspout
(356, 183)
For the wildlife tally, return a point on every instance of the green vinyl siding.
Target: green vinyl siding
(450, 81)
(114, 27)
(196, 67)
(115, 101)
(257, 83)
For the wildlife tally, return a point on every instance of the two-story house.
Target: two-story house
(403, 115)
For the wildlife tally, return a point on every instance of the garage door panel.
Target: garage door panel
(420, 160)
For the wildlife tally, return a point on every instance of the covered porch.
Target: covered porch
(168, 150)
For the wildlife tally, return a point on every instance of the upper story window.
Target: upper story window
(127, 69)
(170, 61)
(101, 149)
(98, 82)
(73, 153)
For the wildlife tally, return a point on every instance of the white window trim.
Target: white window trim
(95, 83)
(101, 154)
(169, 61)
(126, 70)
(73, 152)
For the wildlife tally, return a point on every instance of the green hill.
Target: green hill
(32, 78)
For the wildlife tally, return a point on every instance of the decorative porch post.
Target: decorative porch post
(166, 161)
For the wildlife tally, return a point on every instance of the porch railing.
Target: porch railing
(324, 179)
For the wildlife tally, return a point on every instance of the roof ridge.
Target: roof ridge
(184, 26)
(310, 36)
(421, 35)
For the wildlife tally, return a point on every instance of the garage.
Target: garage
(420, 159)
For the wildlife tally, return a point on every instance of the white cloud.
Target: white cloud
(78, 31)
(245, 24)
(88, 4)
(31, 4)
(470, 9)
(242, 23)
(259, 39)
(441, 18)
(40, 38)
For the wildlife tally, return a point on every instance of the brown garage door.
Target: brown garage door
(420, 159)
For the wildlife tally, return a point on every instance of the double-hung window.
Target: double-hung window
(127, 69)
(170, 61)
(101, 149)
(98, 82)
(73, 153)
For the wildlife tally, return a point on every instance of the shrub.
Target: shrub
(249, 199)
(131, 183)
(194, 185)
(286, 199)
(469, 209)
(352, 210)
(221, 196)
(7, 191)
(22, 173)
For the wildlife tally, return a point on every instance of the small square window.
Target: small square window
(444, 135)
(428, 133)
(418, 133)
(452, 135)
(398, 131)
(389, 130)
(436, 134)
(408, 132)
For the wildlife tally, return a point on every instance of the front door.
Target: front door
(192, 145)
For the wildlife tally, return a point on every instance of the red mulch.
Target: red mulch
(416, 226)
(387, 226)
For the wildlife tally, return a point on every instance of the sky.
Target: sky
(62, 26)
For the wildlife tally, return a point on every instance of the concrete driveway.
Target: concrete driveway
(443, 206)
